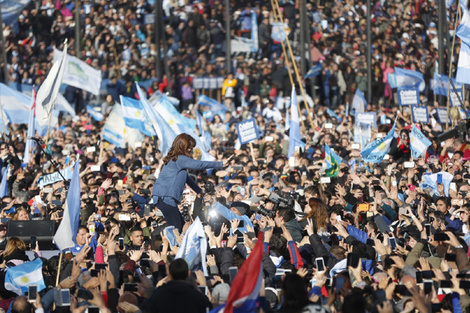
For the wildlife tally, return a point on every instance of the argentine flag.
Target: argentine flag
(214, 106)
(418, 142)
(463, 31)
(114, 128)
(409, 78)
(18, 278)
(294, 129)
(332, 162)
(134, 117)
(194, 246)
(375, 151)
(359, 103)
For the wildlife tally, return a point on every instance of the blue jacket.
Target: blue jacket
(357, 233)
(174, 176)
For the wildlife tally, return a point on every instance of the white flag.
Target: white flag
(79, 74)
(47, 93)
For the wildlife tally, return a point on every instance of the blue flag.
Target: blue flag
(97, 116)
(409, 78)
(418, 142)
(214, 106)
(359, 103)
(134, 117)
(295, 140)
(314, 71)
(164, 131)
(375, 151)
(20, 277)
(463, 31)
(64, 238)
(332, 162)
(4, 184)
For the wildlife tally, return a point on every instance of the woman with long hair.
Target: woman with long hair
(15, 252)
(318, 213)
(174, 176)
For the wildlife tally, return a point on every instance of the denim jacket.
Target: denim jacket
(174, 176)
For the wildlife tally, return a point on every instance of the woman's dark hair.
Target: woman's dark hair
(182, 143)
(295, 294)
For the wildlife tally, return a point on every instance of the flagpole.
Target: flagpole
(3, 122)
(296, 70)
(278, 22)
(450, 66)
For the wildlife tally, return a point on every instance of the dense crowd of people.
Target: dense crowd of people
(373, 237)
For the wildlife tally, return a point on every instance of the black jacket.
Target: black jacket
(177, 296)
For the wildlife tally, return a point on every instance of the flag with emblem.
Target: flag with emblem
(134, 116)
(19, 277)
(418, 142)
(375, 151)
(332, 162)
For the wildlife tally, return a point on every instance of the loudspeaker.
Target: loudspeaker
(43, 230)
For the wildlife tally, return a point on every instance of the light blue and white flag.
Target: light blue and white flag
(4, 184)
(418, 142)
(134, 116)
(168, 111)
(64, 237)
(214, 106)
(359, 103)
(16, 106)
(205, 136)
(114, 129)
(295, 140)
(79, 74)
(97, 116)
(11, 10)
(430, 181)
(375, 151)
(409, 78)
(20, 277)
(279, 31)
(193, 247)
(254, 32)
(440, 84)
(229, 215)
(314, 71)
(162, 129)
(30, 144)
(463, 31)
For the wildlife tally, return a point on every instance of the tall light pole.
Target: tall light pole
(228, 50)
(369, 55)
(158, 32)
(4, 53)
(77, 28)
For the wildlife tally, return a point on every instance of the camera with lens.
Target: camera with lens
(290, 198)
(185, 213)
(209, 188)
(268, 213)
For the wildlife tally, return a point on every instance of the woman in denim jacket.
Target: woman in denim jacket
(174, 176)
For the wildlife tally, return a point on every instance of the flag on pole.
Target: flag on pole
(134, 116)
(359, 103)
(164, 132)
(79, 74)
(30, 144)
(418, 142)
(4, 184)
(47, 93)
(409, 78)
(64, 237)
(194, 246)
(332, 162)
(463, 31)
(20, 277)
(375, 151)
(294, 128)
(214, 105)
(114, 128)
(244, 293)
(314, 71)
